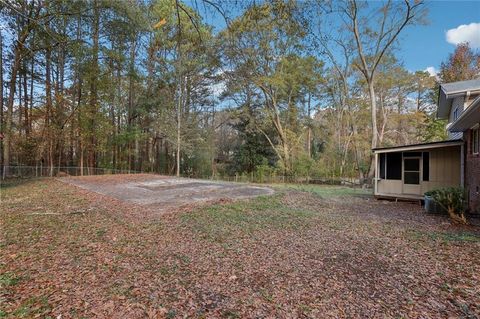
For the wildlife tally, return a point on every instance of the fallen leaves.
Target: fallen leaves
(290, 255)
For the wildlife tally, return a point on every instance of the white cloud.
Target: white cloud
(465, 33)
(432, 71)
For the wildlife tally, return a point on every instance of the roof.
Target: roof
(461, 86)
(448, 91)
(420, 146)
(468, 118)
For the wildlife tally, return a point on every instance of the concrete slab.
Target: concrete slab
(165, 192)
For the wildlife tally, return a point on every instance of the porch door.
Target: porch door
(411, 175)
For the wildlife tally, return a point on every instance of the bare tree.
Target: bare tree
(372, 43)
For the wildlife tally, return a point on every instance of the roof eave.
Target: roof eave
(443, 109)
(419, 147)
(468, 118)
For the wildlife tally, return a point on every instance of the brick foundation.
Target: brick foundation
(472, 174)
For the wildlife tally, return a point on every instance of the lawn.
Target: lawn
(311, 252)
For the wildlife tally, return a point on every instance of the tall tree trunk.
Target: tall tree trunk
(179, 108)
(77, 99)
(26, 103)
(179, 127)
(48, 113)
(112, 114)
(20, 98)
(91, 152)
(11, 98)
(32, 70)
(373, 109)
(133, 147)
(309, 133)
(62, 117)
(1, 102)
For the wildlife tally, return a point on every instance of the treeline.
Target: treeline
(283, 87)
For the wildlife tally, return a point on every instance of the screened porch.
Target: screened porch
(409, 171)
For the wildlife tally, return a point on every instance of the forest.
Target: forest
(206, 88)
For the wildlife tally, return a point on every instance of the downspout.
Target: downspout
(376, 174)
(462, 164)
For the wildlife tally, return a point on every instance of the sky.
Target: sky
(424, 47)
(427, 46)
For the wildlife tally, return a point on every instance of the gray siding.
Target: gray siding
(457, 103)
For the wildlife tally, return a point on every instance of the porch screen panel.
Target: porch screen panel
(383, 161)
(412, 165)
(394, 166)
(411, 173)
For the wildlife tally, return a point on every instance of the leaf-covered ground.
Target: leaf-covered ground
(312, 253)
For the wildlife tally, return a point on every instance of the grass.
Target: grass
(325, 191)
(221, 223)
(9, 279)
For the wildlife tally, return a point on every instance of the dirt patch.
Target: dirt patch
(162, 193)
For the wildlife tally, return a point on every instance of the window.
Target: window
(475, 141)
(394, 166)
(426, 166)
(455, 114)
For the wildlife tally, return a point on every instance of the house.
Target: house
(411, 170)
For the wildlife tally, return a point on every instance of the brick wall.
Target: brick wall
(472, 174)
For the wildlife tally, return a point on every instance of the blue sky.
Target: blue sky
(420, 46)
(424, 46)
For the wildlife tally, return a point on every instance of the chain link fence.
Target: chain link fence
(20, 171)
(288, 179)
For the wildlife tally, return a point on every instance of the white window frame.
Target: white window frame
(475, 140)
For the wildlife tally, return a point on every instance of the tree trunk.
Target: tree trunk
(1, 102)
(373, 109)
(91, 151)
(32, 70)
(309, 133)
(21, 74)
(26, 103)
(48, 113)
(179, 117)
(132, 152)
(9, 115)
(179, 109)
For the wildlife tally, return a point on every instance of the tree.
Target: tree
(148, 86)
(462, 64)
(423, 85)
(261, 47)
(29, 14)
(373, 43)
(184, 64)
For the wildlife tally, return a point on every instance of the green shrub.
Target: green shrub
(452, 199)
(431, 193)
